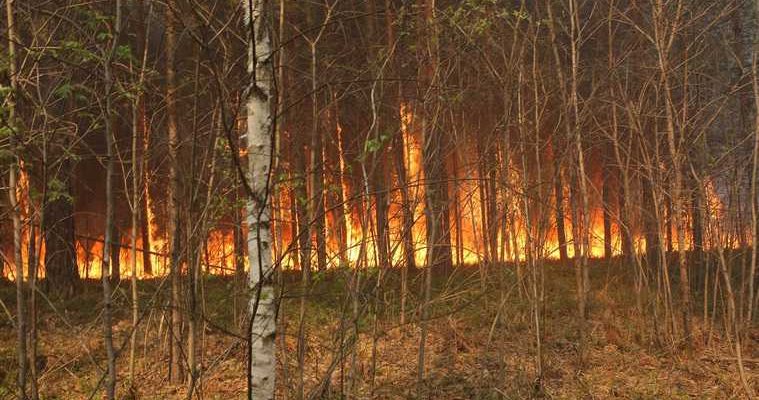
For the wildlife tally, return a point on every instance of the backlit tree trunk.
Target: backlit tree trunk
(558, 193)
(606, 204)
(435, 182)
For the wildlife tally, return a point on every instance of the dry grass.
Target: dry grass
(470, 354)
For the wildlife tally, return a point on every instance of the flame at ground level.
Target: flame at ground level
(351, 227)
(217, 255)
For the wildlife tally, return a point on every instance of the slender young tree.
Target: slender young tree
(317, 154)
(435, 184)
(263, 304)
(666, 28)
(572, 125)
(435, 174)
(176, 372)
(108, 256)
(753, 298)
(137, 190)
(14, 169)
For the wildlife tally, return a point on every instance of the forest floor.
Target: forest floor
(481, 342)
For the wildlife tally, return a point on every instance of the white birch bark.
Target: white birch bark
(262, 368)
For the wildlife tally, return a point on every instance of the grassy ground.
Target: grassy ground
(480, 344)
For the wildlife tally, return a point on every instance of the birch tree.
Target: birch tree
(261, 365)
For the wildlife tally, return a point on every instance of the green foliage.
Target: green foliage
(302, 200)
(520, 14)
(67, 90)
(477, 18)
(124, 53)
(64, 90)
(58, 190)
(103, 36)
(74, 51)
(94, 19)
(374, 145)
(318, 276)
(5, 92)
(6, 130)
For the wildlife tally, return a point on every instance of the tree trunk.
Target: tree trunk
(108, 254)
(115, 256)
(580, 208)
(606, 195)
(753, 298)
(407, 214)
(61, 272)
(317, 169)
(651, 228)
(583, 233)
(435, 182)
(139, 186)
(342, 206)
(300, 195)
(492, 205)
(147, 266)
(263, 304)
(135, 206)
(15, 210)
(239, 241)
(558, 194)
(176, 372)
(407, 223)
(676, 154)
(381, 206)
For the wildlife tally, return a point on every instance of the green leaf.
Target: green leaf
(124, 52)
(372, 145)
(57, 190)
(64, 90)
(103, 36)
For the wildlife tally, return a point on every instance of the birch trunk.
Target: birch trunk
(262, 365)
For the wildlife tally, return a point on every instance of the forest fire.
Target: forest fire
(217, 259)
(219, 253)
(373, 199)
(358, 245)
(218, 256)
(352, 228)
